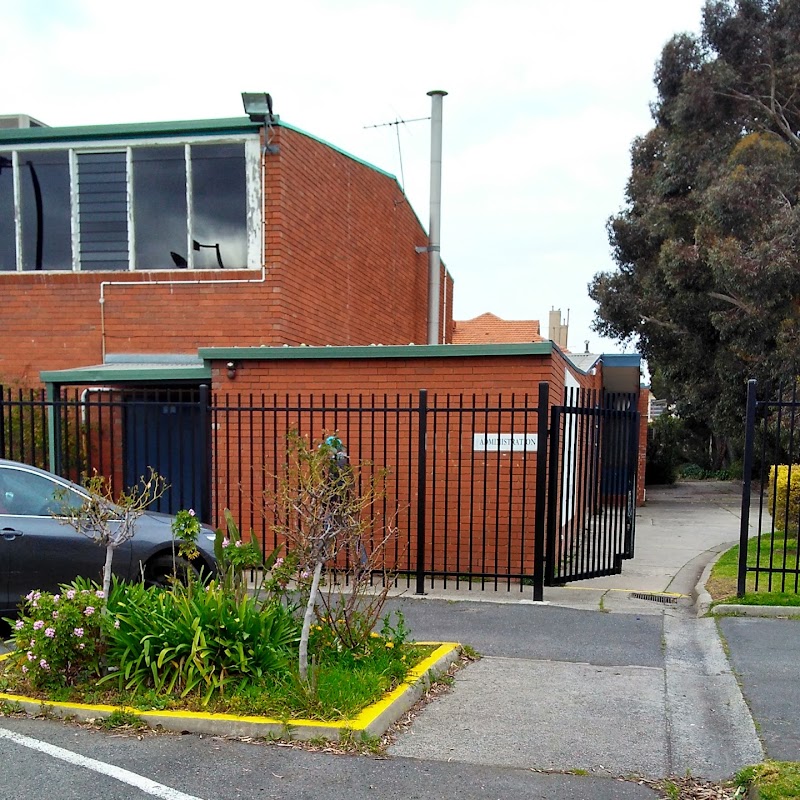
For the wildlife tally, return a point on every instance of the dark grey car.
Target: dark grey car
(37, 551)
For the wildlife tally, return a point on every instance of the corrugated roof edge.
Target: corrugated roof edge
(374, 351)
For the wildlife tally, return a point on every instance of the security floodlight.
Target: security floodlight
(258, 106)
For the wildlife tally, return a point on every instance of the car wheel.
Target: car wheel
(159, 571)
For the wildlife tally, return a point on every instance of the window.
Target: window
(103, 210)
(29, 494)
(219, 231)
(149, 207)
(159, 207)
(45, 210)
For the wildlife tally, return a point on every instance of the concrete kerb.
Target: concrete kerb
(372, 721)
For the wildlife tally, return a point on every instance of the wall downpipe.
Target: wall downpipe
(434, 256)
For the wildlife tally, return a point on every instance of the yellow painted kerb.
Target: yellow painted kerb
(361, 722)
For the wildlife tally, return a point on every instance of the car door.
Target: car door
(39, 550)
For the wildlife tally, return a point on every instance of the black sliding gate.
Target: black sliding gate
(591, 504)
(504, 492)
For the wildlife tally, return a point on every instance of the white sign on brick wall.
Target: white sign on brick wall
(505, 442)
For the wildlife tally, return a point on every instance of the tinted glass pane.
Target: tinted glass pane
(103, 210)
(219, 225)
(8, 253)
(159, 207)
(45, 200)
(30, 494)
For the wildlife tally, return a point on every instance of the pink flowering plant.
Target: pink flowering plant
(241, 560)
(58, 637)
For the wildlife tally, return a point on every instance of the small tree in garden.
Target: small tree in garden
(107, 520)
(325, 509)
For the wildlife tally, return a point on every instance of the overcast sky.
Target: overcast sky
(544, 100)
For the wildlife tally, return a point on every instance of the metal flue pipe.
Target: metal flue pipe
(434, 257)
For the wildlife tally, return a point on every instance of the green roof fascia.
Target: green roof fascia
(374, 351)
(203, 127)
(122, 374)
(294, 128)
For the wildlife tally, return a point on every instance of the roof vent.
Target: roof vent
(8, 121)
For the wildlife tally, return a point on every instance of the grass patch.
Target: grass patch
(774, 780)
(120, 718)
(722, 583)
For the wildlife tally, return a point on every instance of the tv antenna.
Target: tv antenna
(397, 123)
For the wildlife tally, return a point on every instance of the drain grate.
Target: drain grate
(667, 599)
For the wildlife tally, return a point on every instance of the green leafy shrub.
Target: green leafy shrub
(783, 495)
(698, 473)
(196, 638)
(185, 530)
(58, 637)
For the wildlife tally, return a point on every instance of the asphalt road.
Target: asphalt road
(765, 654)
(218, 769)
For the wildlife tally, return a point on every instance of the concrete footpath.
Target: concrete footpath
(599, 681)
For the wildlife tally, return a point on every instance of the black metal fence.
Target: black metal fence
(769, 561)
(468, 485)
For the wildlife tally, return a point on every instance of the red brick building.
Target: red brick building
(140, 263)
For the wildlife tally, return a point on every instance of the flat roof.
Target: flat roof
(133, 369)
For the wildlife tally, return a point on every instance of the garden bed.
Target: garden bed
(373, 720)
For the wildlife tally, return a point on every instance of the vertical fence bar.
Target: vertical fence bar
(206, 457)
(541, 492)
(422, 472)
(747, 469)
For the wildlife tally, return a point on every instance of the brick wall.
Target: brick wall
(341, 269)
(480, 506)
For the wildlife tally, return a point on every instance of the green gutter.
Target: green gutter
(385, 351)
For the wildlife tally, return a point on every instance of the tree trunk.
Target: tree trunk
(309, 615)
(107, 572)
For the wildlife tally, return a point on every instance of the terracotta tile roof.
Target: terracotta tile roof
(490, 329)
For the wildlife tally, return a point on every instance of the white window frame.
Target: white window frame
(253, 186)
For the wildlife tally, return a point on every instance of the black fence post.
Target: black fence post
(422, 476)
(747, 470)
(205, 455)
(541, 492)
(552, 496)
(56, 455)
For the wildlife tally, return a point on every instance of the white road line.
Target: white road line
(119, 774)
